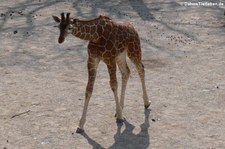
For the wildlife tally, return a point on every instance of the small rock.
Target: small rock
(20, 12)
(15, 32)
(2, 14)
(153, 120)
(6, 72)
(217, 87)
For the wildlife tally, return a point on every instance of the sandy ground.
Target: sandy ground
(42, 83)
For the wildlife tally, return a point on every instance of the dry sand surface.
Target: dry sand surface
(42, 83)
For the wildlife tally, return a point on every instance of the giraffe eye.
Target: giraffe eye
(70, 27)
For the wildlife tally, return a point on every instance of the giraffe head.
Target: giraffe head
(65, 26)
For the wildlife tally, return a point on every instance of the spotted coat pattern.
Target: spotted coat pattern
(110, 42)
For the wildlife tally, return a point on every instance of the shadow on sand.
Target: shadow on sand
(126, 138)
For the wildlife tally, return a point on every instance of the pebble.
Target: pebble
(15, 32)
(20, 12)
(2, 14)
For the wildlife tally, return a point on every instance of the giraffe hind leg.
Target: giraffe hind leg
(135, 57)
(141, 72)
(125, 72)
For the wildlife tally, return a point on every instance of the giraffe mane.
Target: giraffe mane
(100, 17)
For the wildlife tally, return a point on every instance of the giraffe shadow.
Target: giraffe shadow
(93, 143)
(127, 139)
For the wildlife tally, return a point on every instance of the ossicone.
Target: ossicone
(63, 17)
(68, 17)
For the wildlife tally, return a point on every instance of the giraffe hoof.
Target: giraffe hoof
(119, 120)
(146, 106)
(79, 130)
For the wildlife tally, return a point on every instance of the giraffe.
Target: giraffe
(111, 43)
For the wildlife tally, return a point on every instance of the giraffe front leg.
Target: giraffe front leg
(92, 68)
(114, 86)
(141, 72)
(80, 129)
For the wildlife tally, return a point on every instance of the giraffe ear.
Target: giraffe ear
(57, 19)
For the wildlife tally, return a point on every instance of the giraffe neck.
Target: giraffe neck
(90, 30)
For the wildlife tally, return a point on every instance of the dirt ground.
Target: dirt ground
(42, 83)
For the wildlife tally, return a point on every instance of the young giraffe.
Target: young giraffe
(110, 42)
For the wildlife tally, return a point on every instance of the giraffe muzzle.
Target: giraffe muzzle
(61, 39)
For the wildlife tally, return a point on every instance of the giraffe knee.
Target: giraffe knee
(89, 91)
(113, 85)
(125, 76)
(126, 73)
(88, 95)
(140, 66)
